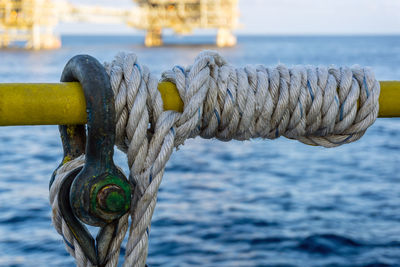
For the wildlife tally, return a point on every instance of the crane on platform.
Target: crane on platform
(34, 21)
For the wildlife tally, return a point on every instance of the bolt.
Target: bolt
(111, 199)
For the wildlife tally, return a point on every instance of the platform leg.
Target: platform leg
(4, 40)
(225, 38)
(34, 38)
(50, 40)
(153, 37)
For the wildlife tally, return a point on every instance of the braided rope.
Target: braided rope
(317, 106)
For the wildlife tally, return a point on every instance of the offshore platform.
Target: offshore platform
(34, 21)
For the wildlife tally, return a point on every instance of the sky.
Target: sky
(286, 17)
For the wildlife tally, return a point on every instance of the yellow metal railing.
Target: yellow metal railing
(64, 103)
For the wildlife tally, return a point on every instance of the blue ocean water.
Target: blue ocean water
(253, 203)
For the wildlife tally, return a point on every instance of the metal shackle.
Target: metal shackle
(100, 193)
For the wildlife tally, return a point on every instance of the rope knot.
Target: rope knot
(315, 105)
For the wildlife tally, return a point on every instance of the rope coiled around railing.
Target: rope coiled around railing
(315, 105)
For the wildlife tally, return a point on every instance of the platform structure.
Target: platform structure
(183, 16)
(33, 21)
(30, 21)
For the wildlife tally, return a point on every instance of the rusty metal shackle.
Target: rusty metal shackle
(98, 193)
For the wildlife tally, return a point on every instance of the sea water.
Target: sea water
(253, 203)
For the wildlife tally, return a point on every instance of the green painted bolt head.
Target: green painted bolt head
(111, 198)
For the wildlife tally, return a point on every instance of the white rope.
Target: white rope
(315, 105)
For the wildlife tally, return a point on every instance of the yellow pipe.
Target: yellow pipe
(40, 104)
(64, 103)
(389, 99)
